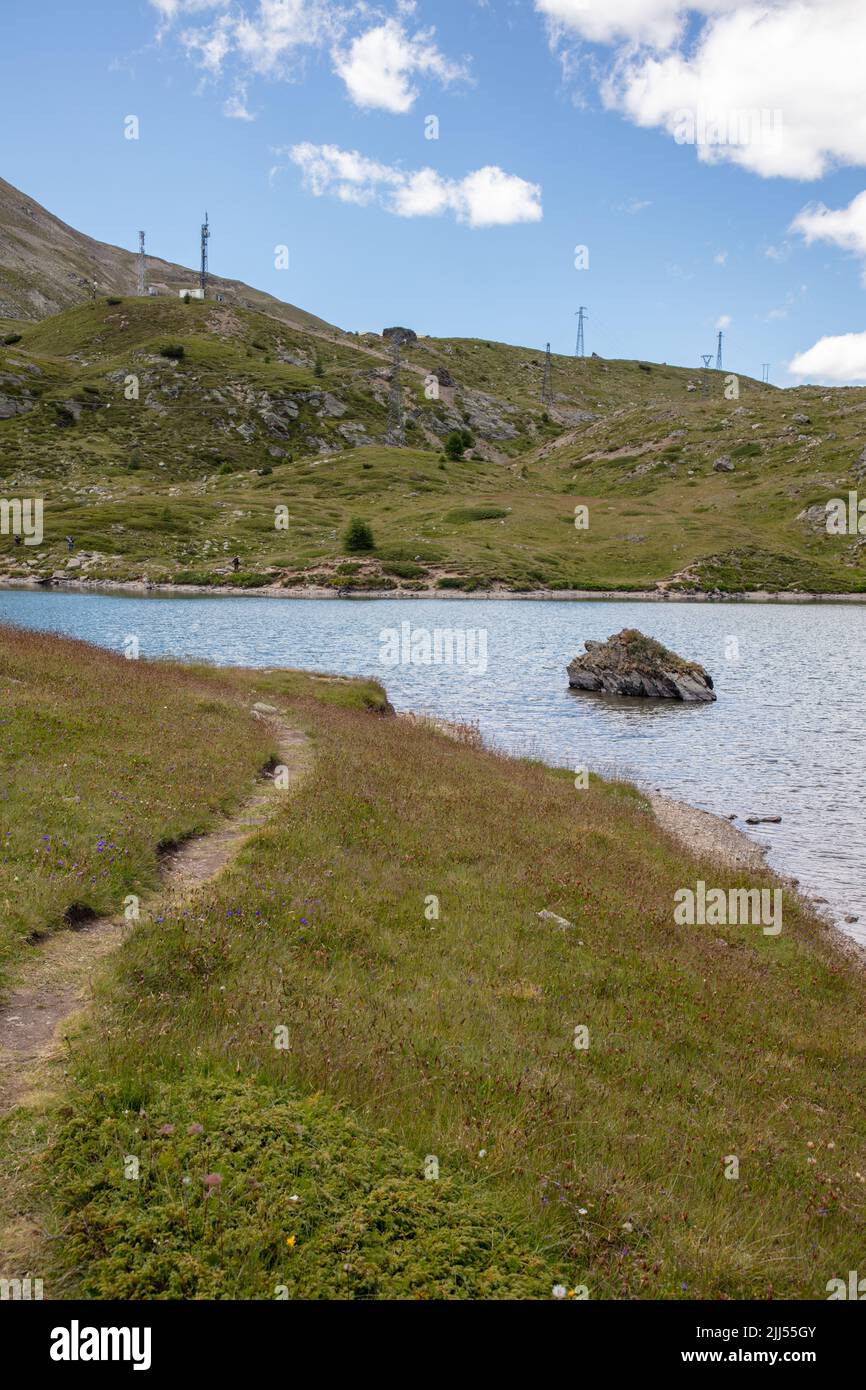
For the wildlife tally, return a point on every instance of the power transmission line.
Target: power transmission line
(706, 358)
(582, 315)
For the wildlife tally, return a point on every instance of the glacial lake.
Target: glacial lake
(785, 736)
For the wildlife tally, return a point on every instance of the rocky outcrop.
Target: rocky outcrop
(400, 335)
(629, 663)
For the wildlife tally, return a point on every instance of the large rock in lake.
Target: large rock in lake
(631, 664)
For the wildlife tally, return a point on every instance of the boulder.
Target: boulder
(629, 663)
(723, 465)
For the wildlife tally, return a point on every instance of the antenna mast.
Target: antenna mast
(582, 315)
(142, 275)
(719, 353)
(547, 383)
(205, 236)
(765, 372)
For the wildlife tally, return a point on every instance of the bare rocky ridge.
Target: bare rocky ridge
(629, 663)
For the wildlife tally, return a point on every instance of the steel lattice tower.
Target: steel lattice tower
(547, 383)
(582, 316)
(765, 372)
(719, 353)
(706, 358)
(205, 236)
(142, 279)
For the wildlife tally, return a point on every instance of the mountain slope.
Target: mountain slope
(162, 435)
(47, 266)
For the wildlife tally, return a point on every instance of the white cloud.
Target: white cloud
(170, 9)
(235, 106)
(633, 206)
(211, 45)
(488, 197)
(378, 65)
(799, 58)
(266, 41)
(724, 321)
(656, 22)
(720, 258)
(270, 39)
(842, 227)
(842, 358)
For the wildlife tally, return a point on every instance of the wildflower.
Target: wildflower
(581, 1211)
(166, 1129)
(294, 1197)
(195, 1129)
(559, 1291)
(213, 1180)
(482, 1153)
(290, 1241)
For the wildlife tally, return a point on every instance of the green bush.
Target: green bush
(11, 339)
(358, 536)
(403, 570)
(457, 443)
(461, 516)
(174, 351)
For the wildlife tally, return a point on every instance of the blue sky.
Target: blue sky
(560, 124)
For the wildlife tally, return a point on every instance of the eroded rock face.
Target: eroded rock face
(629, 663)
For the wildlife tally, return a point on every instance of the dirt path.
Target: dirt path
(56, 982)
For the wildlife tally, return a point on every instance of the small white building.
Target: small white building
(193, 294)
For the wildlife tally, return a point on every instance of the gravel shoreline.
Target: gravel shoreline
(715, 838)
(139, 587)
(709, 835)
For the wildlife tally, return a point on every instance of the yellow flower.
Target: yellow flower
(290, 1242)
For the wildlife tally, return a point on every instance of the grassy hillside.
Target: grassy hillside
(163, 436)
(386, 924)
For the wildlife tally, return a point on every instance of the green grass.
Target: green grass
(102, 761)
(242, 1186)
(303, 1202)
(454, 1032)
(189, 474)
